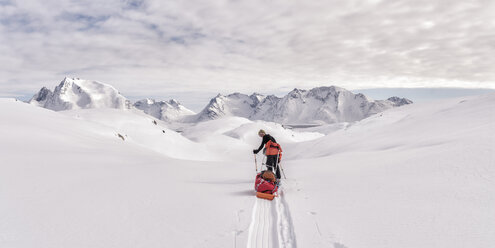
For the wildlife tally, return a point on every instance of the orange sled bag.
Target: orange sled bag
(265, 185)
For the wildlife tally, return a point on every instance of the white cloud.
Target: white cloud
(155, 47)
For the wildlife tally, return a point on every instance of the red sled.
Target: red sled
(265, 196)
(265, 185)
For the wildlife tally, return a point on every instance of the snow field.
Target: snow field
(416, 176)
(67, 182)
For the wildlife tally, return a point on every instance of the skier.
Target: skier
(273, 151)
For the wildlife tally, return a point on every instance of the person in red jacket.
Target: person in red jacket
(273, 151)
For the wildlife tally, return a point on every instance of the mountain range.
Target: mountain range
(315, 106)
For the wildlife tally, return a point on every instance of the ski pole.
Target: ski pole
(255, 164)
(283, 172)
(279, 165)
(276, 164)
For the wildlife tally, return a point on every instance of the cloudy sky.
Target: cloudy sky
(155, 48)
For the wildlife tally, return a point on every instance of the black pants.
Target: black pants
(271, 163)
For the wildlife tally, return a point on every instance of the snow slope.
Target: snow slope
(71, 182)
(417, 176)
(141, 129)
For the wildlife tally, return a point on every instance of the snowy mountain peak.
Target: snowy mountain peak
(236, 104)
(236, 94)
(362, 96)
(148, 101)
(164, 110)
(174, 102)
(257, 98)
(43, 95)
(399, 101)
(75, 93)
(296, 93)
(68, 80)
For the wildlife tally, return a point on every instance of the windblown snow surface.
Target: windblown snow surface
(421, 175)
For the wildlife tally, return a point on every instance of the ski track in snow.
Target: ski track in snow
(271, 224)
